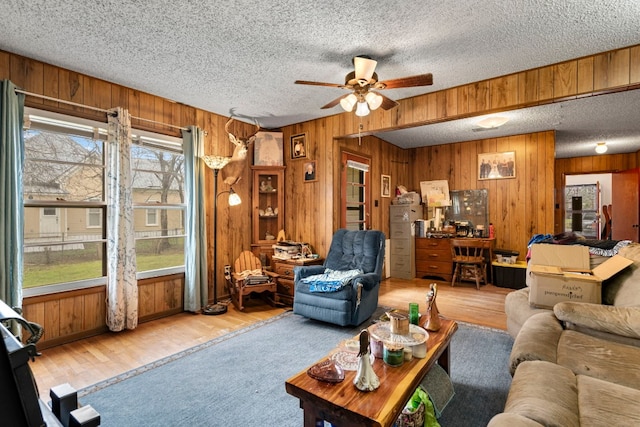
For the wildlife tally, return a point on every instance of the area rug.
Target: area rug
(238, 379)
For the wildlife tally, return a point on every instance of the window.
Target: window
(355, 192)
(94, 218)
(158, 197)
(65, 207)
(581, 209)
(152, 217)
(64, 241)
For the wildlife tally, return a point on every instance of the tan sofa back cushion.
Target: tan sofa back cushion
(623, 289)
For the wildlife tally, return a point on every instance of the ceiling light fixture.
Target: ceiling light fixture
(601, 147)
(492, 122)
(363, 103)
(362, 109)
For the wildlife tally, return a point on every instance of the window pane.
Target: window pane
(59, 225)
(52, 264)
(153, 254)
(62, 167)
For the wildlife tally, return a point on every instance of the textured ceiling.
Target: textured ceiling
(242, 57)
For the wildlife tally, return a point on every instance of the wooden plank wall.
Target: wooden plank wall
(518, 207)
(312, 208)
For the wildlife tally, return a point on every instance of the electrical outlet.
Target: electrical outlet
(227, 269)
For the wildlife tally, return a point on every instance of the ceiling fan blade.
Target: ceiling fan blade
(305, 82)
(387, 103)
(335, 102)
(412, 81)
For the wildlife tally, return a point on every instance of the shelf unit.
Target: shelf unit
(267, 217)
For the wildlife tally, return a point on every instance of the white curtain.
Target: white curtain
(195, 271)
(122, 287)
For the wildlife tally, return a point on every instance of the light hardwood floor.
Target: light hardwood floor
(94, 359)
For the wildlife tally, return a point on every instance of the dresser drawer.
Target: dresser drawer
(433, 255)
(426, 243)
(286, 287)
(285, 270)
(434, 268)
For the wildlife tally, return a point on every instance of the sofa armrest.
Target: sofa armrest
(507, 419)
(622, 321)
(368, 280)
(300, 272)
(537, 340)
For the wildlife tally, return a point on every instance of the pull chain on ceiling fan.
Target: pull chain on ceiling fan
(362, 82)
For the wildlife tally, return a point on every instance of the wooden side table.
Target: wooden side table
(285, 280)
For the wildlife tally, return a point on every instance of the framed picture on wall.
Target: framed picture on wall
(386, 185)
(267, 150)
(310, 173)
(299, 147)
(497, 165)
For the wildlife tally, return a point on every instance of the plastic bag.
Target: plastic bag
(418, 412)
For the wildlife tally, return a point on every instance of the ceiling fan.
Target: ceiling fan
(363, 84)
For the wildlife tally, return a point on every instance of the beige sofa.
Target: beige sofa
(579, 364)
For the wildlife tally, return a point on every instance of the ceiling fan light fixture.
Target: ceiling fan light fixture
(601, 147)
(362, 109)
(492, 122)
(364, 67)
(374, 100)
(348, 102)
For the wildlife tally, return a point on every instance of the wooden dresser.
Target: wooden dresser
(433, 258)
(284, 270)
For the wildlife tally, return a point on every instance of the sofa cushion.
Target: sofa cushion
(620, 324)
(599, 358)
(623, 289)
(518, 310)
(546, 393)
(603, 403)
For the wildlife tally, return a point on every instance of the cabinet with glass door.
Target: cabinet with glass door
(268, 210)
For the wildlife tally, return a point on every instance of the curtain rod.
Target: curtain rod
(102, 110)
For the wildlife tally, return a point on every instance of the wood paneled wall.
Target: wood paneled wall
(518, 207)
(312, 208)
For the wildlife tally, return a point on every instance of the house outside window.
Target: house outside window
(65, 206)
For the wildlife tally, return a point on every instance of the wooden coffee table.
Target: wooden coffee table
(342, 404)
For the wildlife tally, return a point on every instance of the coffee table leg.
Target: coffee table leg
(311, 416)
(445, 360)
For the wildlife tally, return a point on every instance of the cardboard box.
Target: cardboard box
(562, 273)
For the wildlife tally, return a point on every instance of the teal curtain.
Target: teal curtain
(122, 285)
(11, 201)
(195, 270)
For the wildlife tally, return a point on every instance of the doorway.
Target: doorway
(584, 196)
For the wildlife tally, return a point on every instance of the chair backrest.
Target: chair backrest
(363, 249)
(247, 261)
(469, 249)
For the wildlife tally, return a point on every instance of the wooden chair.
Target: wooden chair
(469, 261)
(249, 277)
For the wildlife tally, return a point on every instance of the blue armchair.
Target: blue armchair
(355, 302)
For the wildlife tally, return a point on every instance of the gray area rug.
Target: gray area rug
(238, 379)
